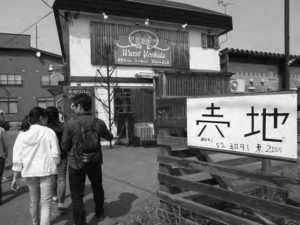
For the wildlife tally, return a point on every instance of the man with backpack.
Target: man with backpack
(81, 139)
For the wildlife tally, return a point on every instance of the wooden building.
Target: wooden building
(255, 71)
(160, 45)
(25, 77)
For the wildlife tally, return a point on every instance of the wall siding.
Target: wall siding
(105, 34)
(193, 85)
(142, 105)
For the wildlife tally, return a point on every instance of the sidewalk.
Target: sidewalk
(129, 179)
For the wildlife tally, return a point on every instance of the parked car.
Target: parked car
(3, 122)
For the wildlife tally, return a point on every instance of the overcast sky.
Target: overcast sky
(257, 24)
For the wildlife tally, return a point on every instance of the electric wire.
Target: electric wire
(46, 4)
(32, 25)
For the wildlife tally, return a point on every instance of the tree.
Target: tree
(107, 82)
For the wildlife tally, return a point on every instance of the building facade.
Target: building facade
(258, 71)
(134, 44)
(25, 77)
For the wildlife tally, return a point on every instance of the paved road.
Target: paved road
(129, 177)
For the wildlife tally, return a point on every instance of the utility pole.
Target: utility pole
(286, 78)
(36, 36)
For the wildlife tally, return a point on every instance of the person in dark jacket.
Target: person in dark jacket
(59, 186)
(82, 104)
(3, 156)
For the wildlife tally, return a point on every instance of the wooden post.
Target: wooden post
(154, 99)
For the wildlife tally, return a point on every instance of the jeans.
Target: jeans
(2, 165)
(40, 191)
(59, 183)
(77, 184)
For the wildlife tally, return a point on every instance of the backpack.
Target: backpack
(87, 145)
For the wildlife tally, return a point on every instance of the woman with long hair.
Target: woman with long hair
(59, 184)
(35, 156)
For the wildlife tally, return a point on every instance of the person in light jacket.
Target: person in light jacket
(36, 154)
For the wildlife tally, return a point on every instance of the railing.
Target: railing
(190, 177)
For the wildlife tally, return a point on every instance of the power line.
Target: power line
(46, 4)
(32, 25)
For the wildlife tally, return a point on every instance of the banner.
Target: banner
(142, 48)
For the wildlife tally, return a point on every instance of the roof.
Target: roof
(178, 5)
(160, 10)
(34, 50)
(243, 53)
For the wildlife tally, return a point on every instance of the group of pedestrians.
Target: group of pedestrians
(45, 149)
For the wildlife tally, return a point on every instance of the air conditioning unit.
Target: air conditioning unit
(144, 131)
(237, 85)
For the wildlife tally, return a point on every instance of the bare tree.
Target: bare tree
(106, 72)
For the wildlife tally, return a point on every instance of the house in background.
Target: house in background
(25, 76)
(155, 45)
(255, 71)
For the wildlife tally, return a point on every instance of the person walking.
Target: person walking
(84, 157)
(3, 156)
(35, 156)
(59, 184)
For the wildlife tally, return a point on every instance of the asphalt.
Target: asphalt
(129, 181)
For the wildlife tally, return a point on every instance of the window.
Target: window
(45, 102)
(46, 81)
(210, 41)
(10, 79)
(122, 100)
(9, 105)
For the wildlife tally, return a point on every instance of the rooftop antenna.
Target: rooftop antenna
(224, 4)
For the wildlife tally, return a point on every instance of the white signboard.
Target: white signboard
(263, 125)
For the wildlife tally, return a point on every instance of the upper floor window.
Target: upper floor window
(210, 41)
(45, 102)
(9, 105)
(47, 81)
(10, 79)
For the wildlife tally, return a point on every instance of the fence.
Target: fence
(191, 178)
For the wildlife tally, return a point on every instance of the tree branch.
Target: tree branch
(112, 71)
(103, 103)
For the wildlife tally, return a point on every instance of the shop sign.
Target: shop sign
(72, 91)
(261, 125)
(69, 93)
(142, 48)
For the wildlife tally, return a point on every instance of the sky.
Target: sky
(257, 24)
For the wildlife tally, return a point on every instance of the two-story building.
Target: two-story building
(133, 44)
(255, 71)
(25, 77)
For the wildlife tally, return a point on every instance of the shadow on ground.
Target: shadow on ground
(114, 209)
(12, 194)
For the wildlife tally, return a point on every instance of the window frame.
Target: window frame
(11, 82)
(45, 100)
(8, 101)
(48, 83)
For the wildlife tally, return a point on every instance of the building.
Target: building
(140, 45)
(258, 71)
(25, 77)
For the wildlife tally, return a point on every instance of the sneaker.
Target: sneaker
(55, 199)
(61, 208)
